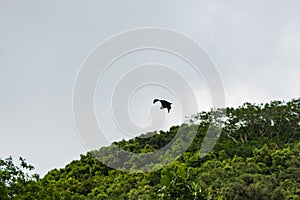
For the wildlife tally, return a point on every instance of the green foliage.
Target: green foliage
(15, 180)
(256, 157)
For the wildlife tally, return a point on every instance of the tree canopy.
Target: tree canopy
(256, 157)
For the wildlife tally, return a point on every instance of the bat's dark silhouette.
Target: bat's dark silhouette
(164, 104)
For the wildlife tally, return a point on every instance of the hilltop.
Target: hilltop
(256, 156)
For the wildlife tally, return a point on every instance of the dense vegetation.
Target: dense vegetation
(256, 157)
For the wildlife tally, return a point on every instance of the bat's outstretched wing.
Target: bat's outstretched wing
(155, 100)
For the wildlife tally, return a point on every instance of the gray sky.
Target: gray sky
(255, 45)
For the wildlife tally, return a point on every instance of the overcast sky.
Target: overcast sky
(254, 44)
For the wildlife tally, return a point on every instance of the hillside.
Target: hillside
(257, 156)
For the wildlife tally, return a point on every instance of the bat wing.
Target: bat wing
(155, 100)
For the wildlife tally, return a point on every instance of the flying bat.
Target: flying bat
(164, 104)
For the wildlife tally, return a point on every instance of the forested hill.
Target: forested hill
(257, 156)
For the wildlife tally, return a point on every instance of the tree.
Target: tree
(14, 180)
